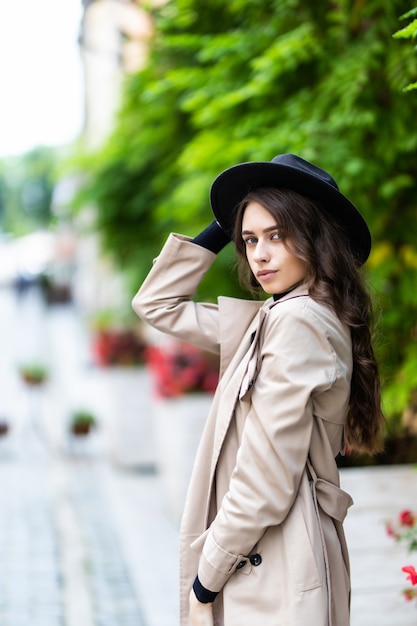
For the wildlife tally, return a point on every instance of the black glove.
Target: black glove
(212, 238)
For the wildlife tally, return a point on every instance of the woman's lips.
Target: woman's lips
(265, 274)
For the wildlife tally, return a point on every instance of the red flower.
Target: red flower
(179, 368)
(412, 574)
(407, 518)
(118, 347)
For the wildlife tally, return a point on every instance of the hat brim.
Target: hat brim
(232, 185)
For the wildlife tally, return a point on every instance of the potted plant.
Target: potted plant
(34, 374)
(117, 340)
(82, 423)
(55, 291)
(184, 379)
(4, 427)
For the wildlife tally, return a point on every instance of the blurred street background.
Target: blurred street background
(85, 539)
(115, 117)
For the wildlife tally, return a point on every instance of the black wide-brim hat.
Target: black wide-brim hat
(290, 172)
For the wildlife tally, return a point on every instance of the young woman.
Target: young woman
(261, 537)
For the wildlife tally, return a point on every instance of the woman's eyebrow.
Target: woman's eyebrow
(265, 230)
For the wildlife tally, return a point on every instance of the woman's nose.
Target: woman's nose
(261, 252)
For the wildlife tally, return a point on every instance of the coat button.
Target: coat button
(241, 564)
(255, 559)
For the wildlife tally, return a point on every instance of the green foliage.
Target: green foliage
(26, 186)
(408, 32)
(245, 80)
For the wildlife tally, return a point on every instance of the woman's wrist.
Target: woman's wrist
(202, 594)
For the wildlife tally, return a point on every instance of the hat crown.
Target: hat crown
(296, 162)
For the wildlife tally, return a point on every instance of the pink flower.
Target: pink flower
(412, 574)
(390, 530)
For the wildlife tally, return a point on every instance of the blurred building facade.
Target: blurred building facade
(114, 39)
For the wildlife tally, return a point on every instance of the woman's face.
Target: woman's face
(273, 264)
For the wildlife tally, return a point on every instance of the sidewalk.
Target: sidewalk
(82, 544)
(85, 544)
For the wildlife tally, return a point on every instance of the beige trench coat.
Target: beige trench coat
(280, 405)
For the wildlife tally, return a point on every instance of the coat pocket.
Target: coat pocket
(302, 542)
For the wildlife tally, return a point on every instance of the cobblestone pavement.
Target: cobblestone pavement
(31, 579)
(63, 559)
(112, 594)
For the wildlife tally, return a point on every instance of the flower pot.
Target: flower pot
(81, 430)
(179, 423)
(33, 379)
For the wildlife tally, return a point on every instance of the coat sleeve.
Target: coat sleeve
(296, 362)
(165, 298)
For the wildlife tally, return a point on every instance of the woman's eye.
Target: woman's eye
(276, 236)
(250, 240)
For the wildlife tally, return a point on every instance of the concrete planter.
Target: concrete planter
(179, 423)
(129, 417)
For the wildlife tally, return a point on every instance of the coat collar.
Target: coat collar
(300, 290)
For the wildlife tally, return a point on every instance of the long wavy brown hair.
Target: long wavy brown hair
(335, 280)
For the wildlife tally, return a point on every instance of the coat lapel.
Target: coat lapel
(235, 376)
(241, 323)
(235, 317)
